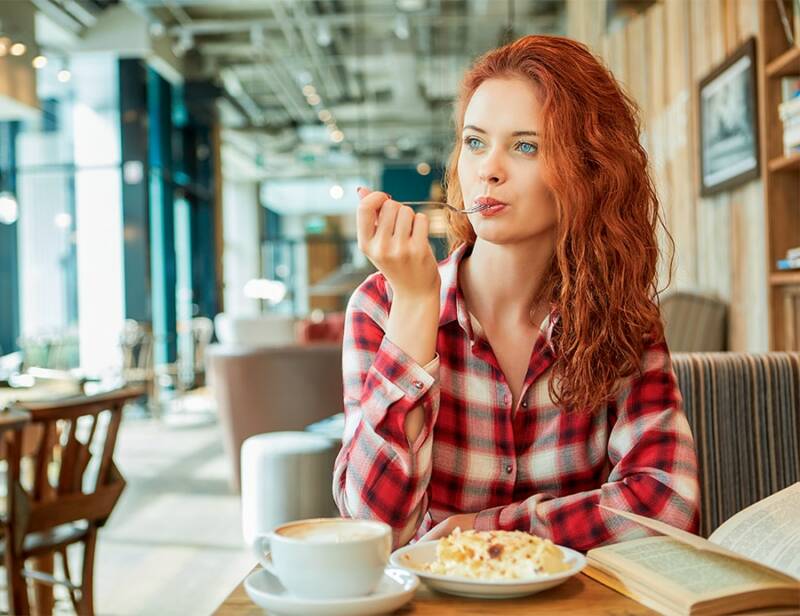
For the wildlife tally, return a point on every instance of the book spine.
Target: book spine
(793, 253)
(788, 264)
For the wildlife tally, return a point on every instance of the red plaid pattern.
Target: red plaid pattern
(532, 468)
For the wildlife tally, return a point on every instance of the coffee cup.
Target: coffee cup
(326, 558)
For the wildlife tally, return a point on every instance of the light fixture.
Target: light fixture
(304, 77)
(314, 99)
(18, 49)
(337, 136)
(401, 28)
(324, 34)
(309, 89)
(9, 210)
(39, 62)
(324, 115)
(272, 291)
(336, 191)
(62, 220)
(64, 75)
(423, 168)
(410, 5)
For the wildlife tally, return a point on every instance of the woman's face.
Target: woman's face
(500, 160)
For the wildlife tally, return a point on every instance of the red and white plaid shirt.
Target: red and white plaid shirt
(534, 467)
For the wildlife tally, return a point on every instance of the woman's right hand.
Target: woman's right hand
(395, 239)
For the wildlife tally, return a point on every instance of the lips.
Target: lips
(493, 206)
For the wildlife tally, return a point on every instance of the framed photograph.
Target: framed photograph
(728, 123)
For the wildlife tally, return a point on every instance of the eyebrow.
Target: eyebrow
(516, 133)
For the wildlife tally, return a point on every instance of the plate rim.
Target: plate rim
(340, 602)
(580, 565)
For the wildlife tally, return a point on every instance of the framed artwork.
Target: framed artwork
(728, 122)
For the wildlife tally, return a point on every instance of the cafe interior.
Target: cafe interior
(178, 246)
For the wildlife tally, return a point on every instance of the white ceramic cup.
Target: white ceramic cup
(326, 558)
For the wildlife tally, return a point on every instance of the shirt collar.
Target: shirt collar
(454, 307)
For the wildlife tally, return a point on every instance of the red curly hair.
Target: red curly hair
(602, 277)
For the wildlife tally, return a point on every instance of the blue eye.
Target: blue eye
(473, 143)
(527, 148)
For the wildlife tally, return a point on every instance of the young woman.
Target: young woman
(524, 380)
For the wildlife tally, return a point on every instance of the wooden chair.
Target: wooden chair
(72, 487)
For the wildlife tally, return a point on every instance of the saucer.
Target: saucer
(395, 589)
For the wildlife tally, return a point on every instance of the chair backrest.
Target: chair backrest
(72, 438)
(744, 410)
(694, 322)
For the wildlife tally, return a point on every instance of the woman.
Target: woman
(524, 380)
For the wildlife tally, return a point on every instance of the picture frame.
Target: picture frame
(728, 137)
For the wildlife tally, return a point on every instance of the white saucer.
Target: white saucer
(395, 590)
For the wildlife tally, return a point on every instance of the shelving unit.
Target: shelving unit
(776, 59)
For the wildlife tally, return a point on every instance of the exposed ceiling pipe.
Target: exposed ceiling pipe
(60, 16)
(82, 10)
(233, 86)
(270, 64)
(301, 18)
(145, 13)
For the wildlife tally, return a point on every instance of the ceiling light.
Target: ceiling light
(64, 75)
(410, 5)
(18, 49)
(401, 29)
(337, 136)
(324, 34)
(273, 291)
(423, 168)
(314, 99)
(8, 208)
(62, 220)
(337, 192)
(308, 90)
(324, 115)
(39, 62)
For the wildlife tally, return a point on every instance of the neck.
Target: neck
(502, 282)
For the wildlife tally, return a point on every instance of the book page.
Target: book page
(688, 571)
(768, 531)
(694, 541)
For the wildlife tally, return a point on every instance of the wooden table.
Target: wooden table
(578, 595)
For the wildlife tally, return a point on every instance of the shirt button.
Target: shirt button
(418, 384)
(524, 404)
(509, 468)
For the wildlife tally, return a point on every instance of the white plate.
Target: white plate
(414, 557)
(395, 590)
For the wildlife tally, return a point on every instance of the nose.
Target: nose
(491, 171)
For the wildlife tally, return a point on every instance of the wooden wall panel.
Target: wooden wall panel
(720, 241)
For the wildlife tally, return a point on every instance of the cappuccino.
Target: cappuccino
(331, 531)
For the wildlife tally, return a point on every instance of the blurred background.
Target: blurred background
(177, 211)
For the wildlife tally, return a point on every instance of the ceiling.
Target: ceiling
(381, 72)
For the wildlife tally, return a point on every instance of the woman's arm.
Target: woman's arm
(391, 402)
(654, 471)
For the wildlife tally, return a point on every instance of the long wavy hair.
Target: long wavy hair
(603, 274)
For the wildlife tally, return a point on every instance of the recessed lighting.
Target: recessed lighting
(314, 99)
(64, 75)
(39, 62)
(18, 49)
(337, 136)
(410, 5)
(324, 115)
(336, 191)
(423, 168)
(308, 90)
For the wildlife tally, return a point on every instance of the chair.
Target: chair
(694, 322)
(71, 490)
(744, 410)
(269, 389)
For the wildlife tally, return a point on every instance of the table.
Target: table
(578, 595)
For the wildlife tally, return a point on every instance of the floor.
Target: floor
(173, 544)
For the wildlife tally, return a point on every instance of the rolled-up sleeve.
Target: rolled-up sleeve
(378, 473)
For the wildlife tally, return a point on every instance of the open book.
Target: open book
(751, 562)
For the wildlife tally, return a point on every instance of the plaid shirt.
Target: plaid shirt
(532, 467)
